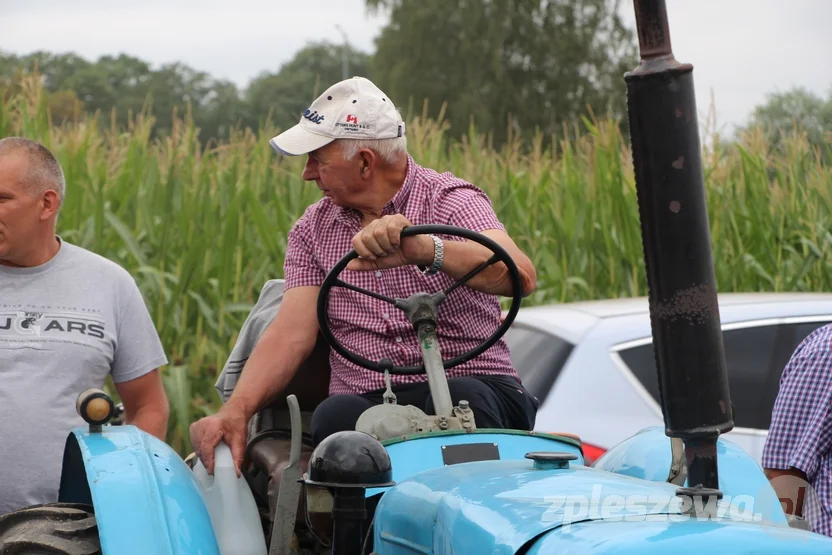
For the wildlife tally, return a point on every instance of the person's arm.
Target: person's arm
(800, 434)
(280, 351)
(145, 403)
(791, 487)
(285, 344)
(380, 246)
(137, 360)
(461, 257)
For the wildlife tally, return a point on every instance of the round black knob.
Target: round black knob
(350, 459)
(95, 407)
(546, 460)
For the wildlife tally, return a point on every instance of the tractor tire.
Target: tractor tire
(50, 529)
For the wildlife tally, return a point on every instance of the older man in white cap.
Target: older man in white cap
(354, 140)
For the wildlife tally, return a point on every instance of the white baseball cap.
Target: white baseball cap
(351, 109)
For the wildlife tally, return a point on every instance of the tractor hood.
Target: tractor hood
(500, 507)
(689, 536)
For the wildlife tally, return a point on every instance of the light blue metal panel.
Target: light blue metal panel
(679, 538)
(647, 455)
(146, 498)
(423, 452)
(495, 507)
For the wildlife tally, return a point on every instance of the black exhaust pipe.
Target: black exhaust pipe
(687, 335)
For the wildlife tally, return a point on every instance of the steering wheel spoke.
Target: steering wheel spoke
(464, 279)
(357, 289)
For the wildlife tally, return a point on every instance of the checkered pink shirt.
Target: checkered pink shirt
(374, 329)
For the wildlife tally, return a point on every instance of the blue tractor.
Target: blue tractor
(407, 482)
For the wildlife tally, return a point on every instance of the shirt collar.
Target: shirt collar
(397, 203)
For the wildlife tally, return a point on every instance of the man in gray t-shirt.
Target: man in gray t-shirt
(68, 319)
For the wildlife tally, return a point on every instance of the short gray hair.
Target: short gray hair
(390, 150)
(44, 170)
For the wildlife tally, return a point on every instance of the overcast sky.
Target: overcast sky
(740, 49)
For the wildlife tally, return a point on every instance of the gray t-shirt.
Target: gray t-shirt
(64, 326)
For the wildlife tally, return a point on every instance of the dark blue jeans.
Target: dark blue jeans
(496, 401)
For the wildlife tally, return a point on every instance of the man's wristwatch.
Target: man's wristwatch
(438, 255)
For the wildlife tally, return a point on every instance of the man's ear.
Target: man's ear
(367, 160)
(49, 204)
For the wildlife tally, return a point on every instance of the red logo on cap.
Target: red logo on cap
(351, 119)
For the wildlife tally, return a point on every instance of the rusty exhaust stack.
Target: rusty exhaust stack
(687, 335)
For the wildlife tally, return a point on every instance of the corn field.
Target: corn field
(201, 229)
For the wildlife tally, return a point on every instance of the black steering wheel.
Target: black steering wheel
(500, 255)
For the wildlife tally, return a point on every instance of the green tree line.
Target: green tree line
(508, 68)
(122, 86)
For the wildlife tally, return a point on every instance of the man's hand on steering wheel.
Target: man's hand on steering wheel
(380, 246)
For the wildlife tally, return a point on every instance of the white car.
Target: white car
(591, 363)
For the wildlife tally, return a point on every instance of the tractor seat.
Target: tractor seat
(311, 387)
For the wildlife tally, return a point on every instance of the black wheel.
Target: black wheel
(500, 255)
(50, 529)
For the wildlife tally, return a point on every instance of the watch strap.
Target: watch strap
(438, 257)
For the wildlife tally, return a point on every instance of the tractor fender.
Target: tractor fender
(647, 455)
(145, 498)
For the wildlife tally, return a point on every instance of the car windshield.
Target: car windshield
(538, 357)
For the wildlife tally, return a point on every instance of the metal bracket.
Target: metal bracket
(465, 415)
(389, 397)
(283, 529)
(678, 466)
